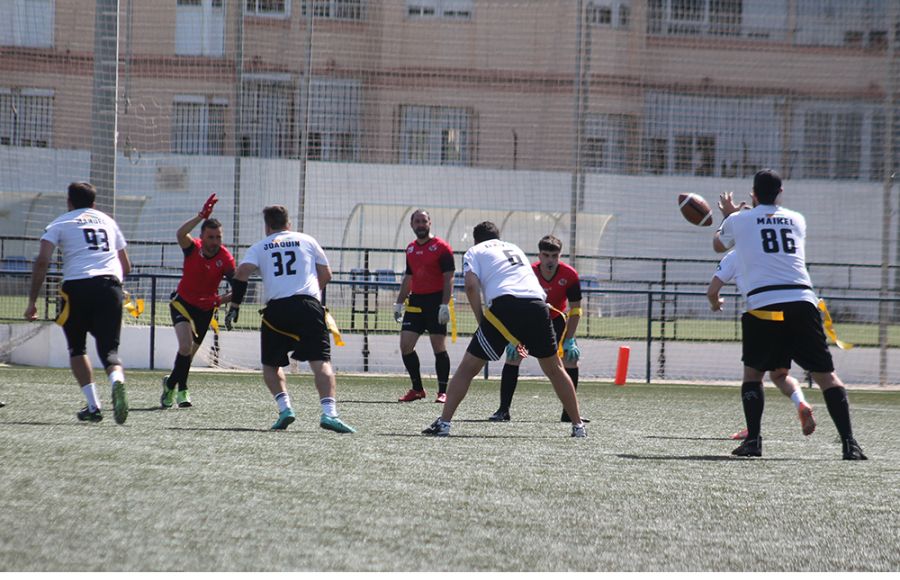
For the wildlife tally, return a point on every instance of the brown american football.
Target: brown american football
(695, 209)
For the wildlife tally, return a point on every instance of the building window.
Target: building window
(436, 135)
(449, 9)
(277, 8)
(830, 139)
(200, 28)
(859, 24)
(27, 23)
(610, 143)
(766, 19)
(198, 126)
(267, 119)
(26, 117)
(334, 120)
(336, 9)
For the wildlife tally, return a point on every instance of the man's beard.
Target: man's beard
(422, 233)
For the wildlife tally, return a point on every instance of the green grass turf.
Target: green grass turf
(652, 488)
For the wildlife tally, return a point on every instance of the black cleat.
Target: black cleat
(852, 450)
(500, 415)
(749, 448)
(564, 418)
(91, 416)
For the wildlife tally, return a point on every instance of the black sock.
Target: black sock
(442, 369)
(839, 409)
(179, 372)
(509, 378)
(411, 362)
(754, 401)
(573, 374)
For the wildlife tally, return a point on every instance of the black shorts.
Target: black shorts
(199, 318)
(559, 327)
(295, 324)
(419, 322)
(93, 305)
(527, 319)
(770, 345)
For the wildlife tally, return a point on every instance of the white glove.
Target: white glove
(444, 314)
(398, 312)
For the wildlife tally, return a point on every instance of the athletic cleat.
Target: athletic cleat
(334, 424)
(807, 422)
(90, 416)
(579, 431)
(749, 448)
(120, 402)
(441, 398)
(564, 418)
(852, 450)
(167, 399)
(437, 429)
(500, 415)
(740, 435)
(184, 399)
(412, 395)
(285, 418)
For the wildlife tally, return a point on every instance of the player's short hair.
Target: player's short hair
(766, 186)
(550, 243)
(276, 216)
(422, 211)
(485, 231)
(82, 194)
(212, 223)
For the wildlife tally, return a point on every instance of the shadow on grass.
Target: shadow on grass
(41, 423)
(455, 436)
(698, 458)
(234, 429)
(344, 402)
(683, 438)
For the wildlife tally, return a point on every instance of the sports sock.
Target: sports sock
(179, 371)
(798, 398)
(283, 400)
(329, 406)
(411, 362)
(90, 393)
(754, 402)
(442, 369)
(839, 409)
(509, 379)
(573, 374)
(116, 376)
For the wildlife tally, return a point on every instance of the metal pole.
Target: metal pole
(576, 169)
(304, 116)
(237, 134)
(104, 111)
(884, 291)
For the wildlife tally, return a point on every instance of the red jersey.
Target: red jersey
(199, 285)
(426, 263)
(562, 287)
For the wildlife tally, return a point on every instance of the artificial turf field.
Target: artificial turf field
(652, 488)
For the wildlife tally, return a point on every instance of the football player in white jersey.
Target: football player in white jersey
(94, 264)
(726, 272)
(294, 271)
(516, 312)
(782, 322)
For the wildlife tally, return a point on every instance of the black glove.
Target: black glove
(232, 317)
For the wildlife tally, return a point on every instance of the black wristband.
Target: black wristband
(238, 290)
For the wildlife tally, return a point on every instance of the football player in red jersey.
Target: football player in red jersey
(206, 263)
(563, 287)
(427, 283)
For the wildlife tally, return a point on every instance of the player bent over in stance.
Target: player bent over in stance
(206, 263)
(94, 264)
(562, 286)
(428, 284)
(294, 272)
(726, 272)
(782, 322)
(516, 312)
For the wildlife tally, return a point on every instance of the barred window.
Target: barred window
(436, 135)
(336, 9)
(766, 19)
(279, 8)
(860, 24)
(268, 119)
(334, 120)
(448, 9)
(198, 126)
(26, 117)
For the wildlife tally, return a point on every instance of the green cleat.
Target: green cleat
(335, 424)
(184, 399)
(167, 399)
(285, 418)
(120, 402)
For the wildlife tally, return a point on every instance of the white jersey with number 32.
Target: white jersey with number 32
(287, 263)
(89, 241)
(503, 269)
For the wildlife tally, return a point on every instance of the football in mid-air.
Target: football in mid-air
(695, 209)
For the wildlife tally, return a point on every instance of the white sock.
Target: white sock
(90, 393)
(798, 398)
(329, 406)
(116, 376)
(283, 400)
